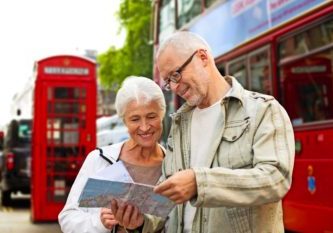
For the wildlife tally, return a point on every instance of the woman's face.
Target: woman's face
(144, 123)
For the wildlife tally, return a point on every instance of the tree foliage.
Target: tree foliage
(136, 56)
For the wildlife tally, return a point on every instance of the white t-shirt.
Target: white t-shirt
(203, 124)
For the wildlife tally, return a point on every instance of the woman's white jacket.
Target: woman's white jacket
(73, 219)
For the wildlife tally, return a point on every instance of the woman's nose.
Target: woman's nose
(144, 126)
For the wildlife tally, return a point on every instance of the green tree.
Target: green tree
(136, 56)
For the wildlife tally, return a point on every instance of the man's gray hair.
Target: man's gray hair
(183, 42)
(140, 89)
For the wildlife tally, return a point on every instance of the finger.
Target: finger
(110, 223)
(105, 211)
(178, 199)
(120, 213)
(135, 213)
(113, 222)
(138, 217)
(162, 187)
(168, 193)
(114, 206)
(127, 215)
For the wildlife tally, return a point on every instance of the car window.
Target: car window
(24, 131)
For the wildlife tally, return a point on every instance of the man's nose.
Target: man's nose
(174, 86)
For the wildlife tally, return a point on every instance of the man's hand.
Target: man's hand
(180, 187)
(127, 215)
(107, 218)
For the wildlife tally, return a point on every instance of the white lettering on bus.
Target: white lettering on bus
(277, 4)
(239, 6)
(66, 70)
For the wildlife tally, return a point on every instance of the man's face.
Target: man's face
(192, 84)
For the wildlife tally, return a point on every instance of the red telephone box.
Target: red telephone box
(64, 130)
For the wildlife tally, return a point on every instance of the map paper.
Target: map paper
(98, 192)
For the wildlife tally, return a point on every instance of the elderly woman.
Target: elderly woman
(141, 105)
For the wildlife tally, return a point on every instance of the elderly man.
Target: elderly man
(230, 152)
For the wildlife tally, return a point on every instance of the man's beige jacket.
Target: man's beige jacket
(248, 170)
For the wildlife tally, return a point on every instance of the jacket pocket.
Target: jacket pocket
(240, 219)
(235, 129)
(235, 149)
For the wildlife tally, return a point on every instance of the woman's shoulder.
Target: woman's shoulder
(111, 151)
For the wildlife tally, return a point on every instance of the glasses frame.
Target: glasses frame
(176, 75)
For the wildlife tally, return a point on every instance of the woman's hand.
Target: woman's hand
(107, 218)
(127, 215)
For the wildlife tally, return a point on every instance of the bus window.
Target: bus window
(306, 74)
(167, 22)
(260, 71)
(237, 68)
(307, 88)
(187, 10)
(221, 68)
(306, 41)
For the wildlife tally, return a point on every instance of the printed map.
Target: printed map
(114, 182)
(99, 193)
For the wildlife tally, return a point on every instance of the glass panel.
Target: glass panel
(238, 70)
(69, 93)
(64, 152)
(49, 107)
(63, 137)
(62, 170)
(67, 108)
(308, 88)
(187, 10)
(307, 41)
(260, 72)
(83, 93)
(63, 122)
(24, 130)
(167, 19)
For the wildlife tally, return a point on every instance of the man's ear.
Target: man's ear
(202, 53)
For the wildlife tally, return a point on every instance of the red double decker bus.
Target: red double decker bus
(283, 48)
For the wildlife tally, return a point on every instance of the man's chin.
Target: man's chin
(193, 102)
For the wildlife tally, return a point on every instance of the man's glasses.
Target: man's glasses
(176, 75)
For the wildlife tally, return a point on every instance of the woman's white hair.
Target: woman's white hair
(140, 89)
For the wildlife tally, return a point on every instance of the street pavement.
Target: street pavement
(16, 219)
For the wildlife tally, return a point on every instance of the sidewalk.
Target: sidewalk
(18, 220)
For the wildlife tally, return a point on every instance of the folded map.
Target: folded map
(99, 193)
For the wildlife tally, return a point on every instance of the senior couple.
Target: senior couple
(229, 156)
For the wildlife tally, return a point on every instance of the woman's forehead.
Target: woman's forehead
(142, 105)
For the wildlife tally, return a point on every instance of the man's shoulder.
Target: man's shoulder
(256, 96)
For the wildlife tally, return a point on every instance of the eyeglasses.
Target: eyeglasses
(176, 75)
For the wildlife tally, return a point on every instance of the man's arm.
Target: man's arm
(267, 181)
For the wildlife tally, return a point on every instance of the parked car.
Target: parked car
(1, 152)
(16, 159)
(110, 130)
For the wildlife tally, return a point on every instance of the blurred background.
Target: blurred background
(63, 61)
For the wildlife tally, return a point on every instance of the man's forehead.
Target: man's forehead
(166, 60)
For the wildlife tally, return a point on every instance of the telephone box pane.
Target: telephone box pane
(67, 108)
(68, 93)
